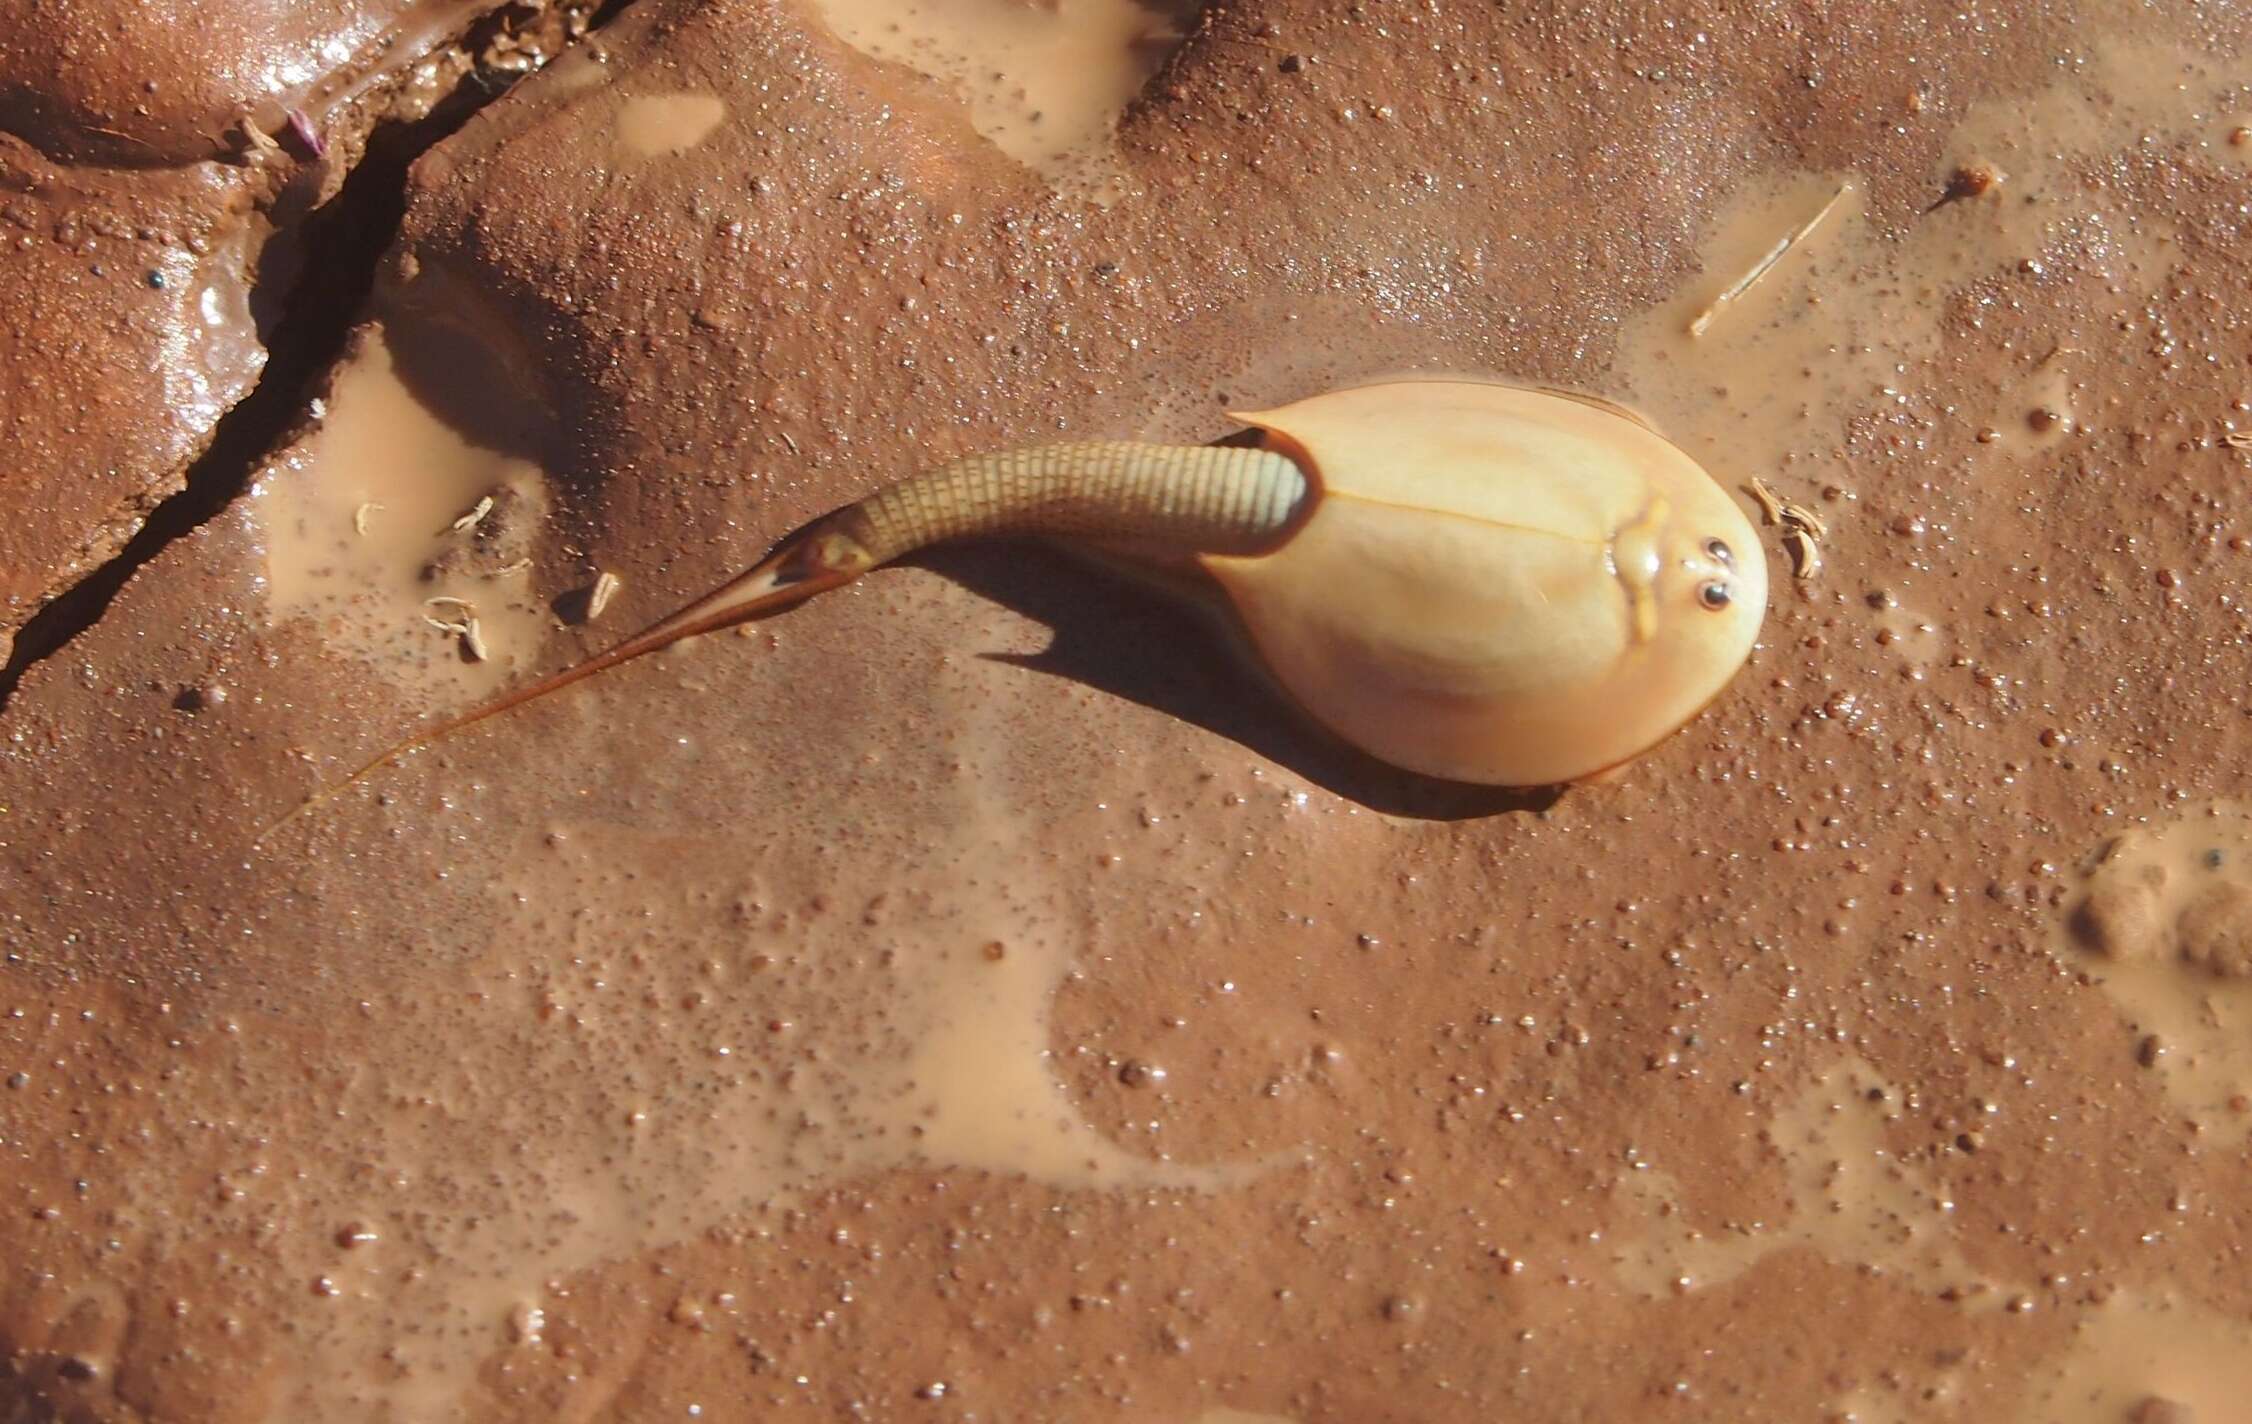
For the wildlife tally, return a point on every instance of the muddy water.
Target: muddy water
(409, 545)
(693, 1028)
(2143, 1359)
(1768, 382)
(1045, 82)
(655, 125)
(1853, 1202)
(2163, 921)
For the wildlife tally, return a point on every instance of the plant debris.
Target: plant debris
(475, 516)
(606, 586)
(462, 625)
(1799, 516)
(2237, 440)
(1751, 278)
(253, 140)
(360, 517)
(1803, 529)
(1770, 508)
(1806, 556)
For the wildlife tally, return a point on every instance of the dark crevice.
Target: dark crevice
(334, 256)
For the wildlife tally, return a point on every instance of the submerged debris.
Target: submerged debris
(1806, 557)
(458, 625)
(1770, 507)
(475, 516)
(1802, 528)
(252, 141)
(462, 624)
(606, 586)
(1971, 180)
(1751, 278)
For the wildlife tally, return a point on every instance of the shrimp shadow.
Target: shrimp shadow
(1124, 640)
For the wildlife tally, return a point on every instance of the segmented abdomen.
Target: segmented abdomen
(1198, 498)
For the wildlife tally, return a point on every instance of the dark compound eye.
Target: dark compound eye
(1715, 595)
(1719, 552)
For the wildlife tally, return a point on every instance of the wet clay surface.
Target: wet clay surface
(972, 996)
(150, 156)
(128, 333)
(133, 84)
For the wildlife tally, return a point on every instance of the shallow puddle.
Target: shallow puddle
(657, 125)
(1854, 1203)
(2145, 1360)
(410, 546)
(1044, 80)
(2163, 924)
(1805, 320)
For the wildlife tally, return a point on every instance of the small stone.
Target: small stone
(2155, 1410)
(2150, 1050)
(1969, 180)
(2120, 918)
(2215, 931)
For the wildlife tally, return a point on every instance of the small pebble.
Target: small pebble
(1136, 1074)
(1972, 179)
(2215, 931)
(2120, 919)
(200, 698)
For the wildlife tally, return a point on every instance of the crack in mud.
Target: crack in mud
(343, 242)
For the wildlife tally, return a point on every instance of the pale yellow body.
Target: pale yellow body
(1496, 584)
